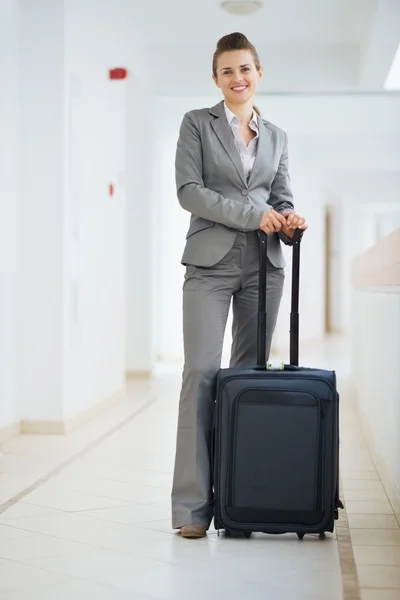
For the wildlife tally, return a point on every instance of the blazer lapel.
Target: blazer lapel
(264, 143)
(224, 134)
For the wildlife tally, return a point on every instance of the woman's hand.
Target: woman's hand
(272, 221)
(293, 222)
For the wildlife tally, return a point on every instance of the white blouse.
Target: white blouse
(247, 153)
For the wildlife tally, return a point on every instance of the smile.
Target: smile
(240, 88)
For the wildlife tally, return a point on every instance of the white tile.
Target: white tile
(132, 514)
(8, 532)
(105, 534)
(63, 588)
(361, 485)
(362, 474)
(375, 537)
(377, 555)
(379, 594)
(53, 495)
(14, 575)
(163, 525)
(379, 576)
(102, 491)
(23, 463)
(350, 463)
(245, 569)
(22, 509)
(11, 484)
(34, 546)
(101, 566)
(376, 495)
(202, 584)
(372, 521)
(378, 507)
(114, 472)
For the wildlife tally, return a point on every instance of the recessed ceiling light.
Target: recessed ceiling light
(241, 7)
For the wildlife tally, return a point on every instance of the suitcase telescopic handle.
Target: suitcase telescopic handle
(262, 304)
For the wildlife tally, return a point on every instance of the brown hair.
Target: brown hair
(234, 41)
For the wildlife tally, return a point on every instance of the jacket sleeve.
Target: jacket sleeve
(281, 197)
(196, 198)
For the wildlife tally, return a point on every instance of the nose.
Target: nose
(237, 77)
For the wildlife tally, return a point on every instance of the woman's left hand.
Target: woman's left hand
(293, 221)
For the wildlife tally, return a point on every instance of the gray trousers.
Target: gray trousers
(207, 296)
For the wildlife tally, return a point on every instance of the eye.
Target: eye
(246, 69)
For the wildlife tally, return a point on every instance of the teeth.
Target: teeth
(242, 87)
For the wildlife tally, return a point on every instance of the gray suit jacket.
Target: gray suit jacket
(211, 185)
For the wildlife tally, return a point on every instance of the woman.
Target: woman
(232, 176)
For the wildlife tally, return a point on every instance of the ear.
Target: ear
(215, 80)
(261, 72)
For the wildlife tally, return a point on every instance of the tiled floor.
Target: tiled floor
(91, 514)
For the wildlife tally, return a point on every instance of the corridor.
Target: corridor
(88, 513)
(98, 100)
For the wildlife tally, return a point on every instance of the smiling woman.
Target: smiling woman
(231, 174)
(236, 68)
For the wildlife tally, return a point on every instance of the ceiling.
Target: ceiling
(304, 45)
(278, 21)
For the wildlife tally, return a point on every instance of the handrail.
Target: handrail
(378, 265)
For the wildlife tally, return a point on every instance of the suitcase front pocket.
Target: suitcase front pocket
(275, 471)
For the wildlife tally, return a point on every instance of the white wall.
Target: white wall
(333, 145)
(94, 227)
(335, 258)
(139, 219)
(306, 68)
(9, 123)
(375, 369)
(69, 123)
(366, 216)
(40, 210)
(393, 79)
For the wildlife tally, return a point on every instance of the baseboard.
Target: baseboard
(385, 475)
(65, 426)
(138, 375)
(10, 431)
(43, 427)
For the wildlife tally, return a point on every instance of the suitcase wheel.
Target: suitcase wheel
(300, 536)
(247, 534)
(322, 536)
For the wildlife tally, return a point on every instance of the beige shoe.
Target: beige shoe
(193, 531)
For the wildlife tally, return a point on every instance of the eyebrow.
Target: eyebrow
(241, 66)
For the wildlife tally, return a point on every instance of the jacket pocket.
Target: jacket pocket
(198, 225)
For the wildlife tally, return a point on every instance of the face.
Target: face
(237, 76)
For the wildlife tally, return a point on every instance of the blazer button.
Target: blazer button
(245, 192)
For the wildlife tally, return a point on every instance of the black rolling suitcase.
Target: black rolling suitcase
(276, 438)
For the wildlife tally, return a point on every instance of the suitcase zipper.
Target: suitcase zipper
(321, 455)
(282, 375)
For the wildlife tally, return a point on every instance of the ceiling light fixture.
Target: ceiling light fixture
(241, 7)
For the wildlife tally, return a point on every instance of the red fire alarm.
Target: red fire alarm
(118, 73)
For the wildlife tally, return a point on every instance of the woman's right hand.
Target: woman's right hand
(272, 221)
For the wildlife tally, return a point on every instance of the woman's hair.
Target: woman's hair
(234, 41)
